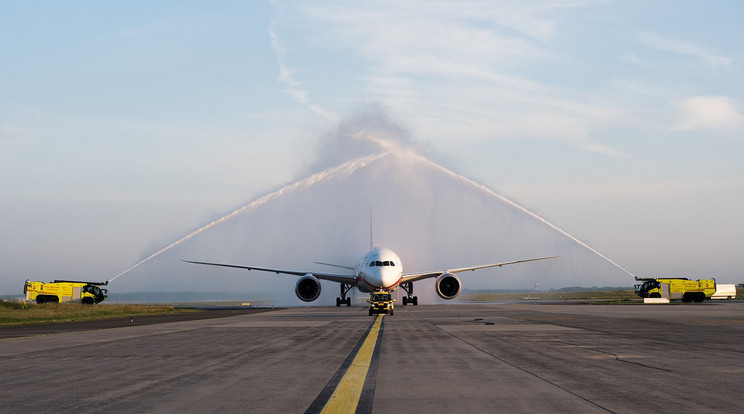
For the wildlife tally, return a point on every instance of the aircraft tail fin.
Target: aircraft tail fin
(371, 238)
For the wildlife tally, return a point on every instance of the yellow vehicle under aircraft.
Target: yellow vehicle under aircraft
(381, 301)
(65, 291)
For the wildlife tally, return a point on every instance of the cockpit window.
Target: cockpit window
(381, 263)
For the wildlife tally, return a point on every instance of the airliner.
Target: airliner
(379, 269)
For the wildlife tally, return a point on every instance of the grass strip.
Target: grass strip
(14, 313)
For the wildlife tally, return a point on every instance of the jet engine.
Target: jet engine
(448, 286)
(308, 288)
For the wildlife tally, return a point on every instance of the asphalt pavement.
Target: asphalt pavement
(460, 358)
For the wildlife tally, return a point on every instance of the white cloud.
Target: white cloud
(717, 113)
(292, 86)
(459, 68)
(684, 48)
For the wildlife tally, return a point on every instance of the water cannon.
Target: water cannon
(81, 281)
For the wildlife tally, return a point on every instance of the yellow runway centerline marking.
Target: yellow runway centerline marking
(346, 396)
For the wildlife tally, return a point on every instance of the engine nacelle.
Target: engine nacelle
(448, 286)
(308, 288)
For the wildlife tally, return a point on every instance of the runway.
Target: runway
(459, 358)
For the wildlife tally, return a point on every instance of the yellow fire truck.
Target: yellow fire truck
(65, 291)
(677, 288)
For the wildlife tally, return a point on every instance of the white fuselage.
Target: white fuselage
(379, 269)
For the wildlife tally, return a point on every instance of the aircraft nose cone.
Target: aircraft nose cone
(389, 278)
(375, 279)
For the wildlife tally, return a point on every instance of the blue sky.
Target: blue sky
(124, 125)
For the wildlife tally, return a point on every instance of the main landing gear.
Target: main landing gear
(344, 300)
(408, 287)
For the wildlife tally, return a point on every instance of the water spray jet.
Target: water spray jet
(347, 169)
(518, 207)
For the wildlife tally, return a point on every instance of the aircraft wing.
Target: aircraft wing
(348, 279)
(412, 277)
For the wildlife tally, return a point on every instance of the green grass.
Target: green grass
(617, 296)
(14, 313)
